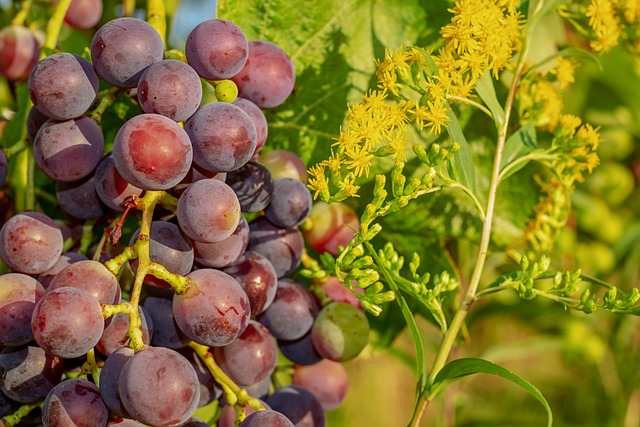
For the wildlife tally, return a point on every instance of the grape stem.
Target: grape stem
(156, 17)
(20, 413)
(54, 25)
(450, 336)
(235, 395)
(22, 14)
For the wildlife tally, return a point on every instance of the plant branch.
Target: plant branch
(54, 25)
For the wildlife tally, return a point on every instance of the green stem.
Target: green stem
(19, 414)
(472, 103)
(156, 16)
(22, 14)
(115, 264)
(536, 155)
(54, 25)
(234, 394)
(106, 99)
(458, 319)
(472, 196)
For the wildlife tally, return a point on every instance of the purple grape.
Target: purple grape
(79, 198)
(169, 247)
(5, 405)
(115, 331)
(260, 389)
(228, 414)
(257, 277)
(259, 121)
(282, 246)
(299, 405)
(290, 315)
(19, 294)
(63, 86)
(124, 422)
(74, 402)
(251, 358)
(209, 388)
(208, 211)
(159, 387)
(340, 332)
(111, 187)
(166, 332)
(123, 48)
(214, 310)
(19, 52)
(300, 351)
(327, 380)
(109, 377)
(284, 164)
(68, 150)
(30, 243)
(152, 152)
(217, 49)
(92, 277)
(253, 185)
(83, 14)
(65, 260)
(27, 374)
(67, 322)
(223, 137)
(194, 422)
(35, 120)
(268, 77)
(170, 88)
(221, 254)
(266, 418)
(290, 203)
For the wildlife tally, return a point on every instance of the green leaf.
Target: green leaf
(462, 165)
(15, 130)
(460, 368)
(487, 93)
(537, 10)
(521, 142)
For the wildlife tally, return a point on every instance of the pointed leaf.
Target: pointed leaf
(459, 368)
(521, 142)
(462, 164)
(487, 92)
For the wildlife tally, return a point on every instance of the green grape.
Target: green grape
(340, 332)
(226, 91)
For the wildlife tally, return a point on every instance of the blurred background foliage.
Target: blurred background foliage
(586, 366)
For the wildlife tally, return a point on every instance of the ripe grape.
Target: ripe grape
(257, 277)
(35, 120)
(327, 380)
(19, 52)
(299, 405)
(5, 405)
(221, 254)
(19, 294)
(159, 387)
(74, 402)
(30, 243)
(83, 14)
(217, 49)
(251, 358)
(214, 310)
(65, 260)
(340, 332)
(259, 121)
(332, 225)
(4, 167)
(290, 315)
(282, 246)
(123, 48)
(165, 332)
(209, 388)
(223, 137)
(300, 351)
(79, 198)
(290, 203)
(169, 247)
(109, 377)
(152, 152)
(268, 76)
(63, 86)
(208, 211)
(284, 164)
(27, 374)
(68, 150)
(111, 187)
(67, 322)
(266, 418)
(170, 88)
(253, 185)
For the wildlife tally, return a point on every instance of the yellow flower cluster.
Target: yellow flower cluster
(540, 94)
(608, 21)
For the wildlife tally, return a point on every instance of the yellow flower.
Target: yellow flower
(589, 136)
(347, 186)
(564, 72)
(605, 24)
(398, 144)
(360, 161)
(317, 181)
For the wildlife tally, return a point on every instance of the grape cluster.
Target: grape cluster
(82, 342)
